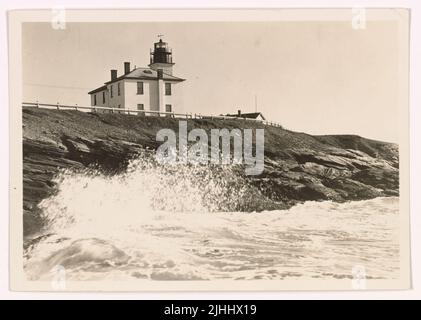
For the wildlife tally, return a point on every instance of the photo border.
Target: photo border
(18, 280)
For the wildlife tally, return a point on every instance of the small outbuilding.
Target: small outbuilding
(250, 115)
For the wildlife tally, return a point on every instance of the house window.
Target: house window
(168, 89)
(111, 91)
(94, 99)
(168, 108)
(140, 106)
(118, 88)
(103, 97)
(140, 88)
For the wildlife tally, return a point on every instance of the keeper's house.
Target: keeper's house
(148, 89)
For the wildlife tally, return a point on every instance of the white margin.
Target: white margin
(415, 131)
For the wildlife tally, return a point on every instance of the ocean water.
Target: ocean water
(175, 224)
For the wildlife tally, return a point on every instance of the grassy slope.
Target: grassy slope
(51, 125)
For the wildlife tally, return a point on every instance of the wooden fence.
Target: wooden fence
(139, 112)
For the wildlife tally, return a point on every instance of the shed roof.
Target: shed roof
(98, 89)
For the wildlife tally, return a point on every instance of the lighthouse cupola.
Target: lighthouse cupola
(161, 57)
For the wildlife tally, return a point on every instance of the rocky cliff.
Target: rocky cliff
(298, 166)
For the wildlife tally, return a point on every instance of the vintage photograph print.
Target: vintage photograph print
(209, 150)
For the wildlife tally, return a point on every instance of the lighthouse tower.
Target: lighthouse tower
(161, 57)
(149, 91)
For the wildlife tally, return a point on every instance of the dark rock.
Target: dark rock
(298, 166)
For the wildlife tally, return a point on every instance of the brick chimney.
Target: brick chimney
(113, 74)
(126, 67)
(160, 73)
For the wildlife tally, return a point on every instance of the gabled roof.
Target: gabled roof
(250, 115)
(140, 74)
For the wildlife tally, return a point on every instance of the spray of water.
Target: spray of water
(181, 222)
(146, 187)
(90, 206)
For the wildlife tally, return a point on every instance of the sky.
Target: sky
(313, 77)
